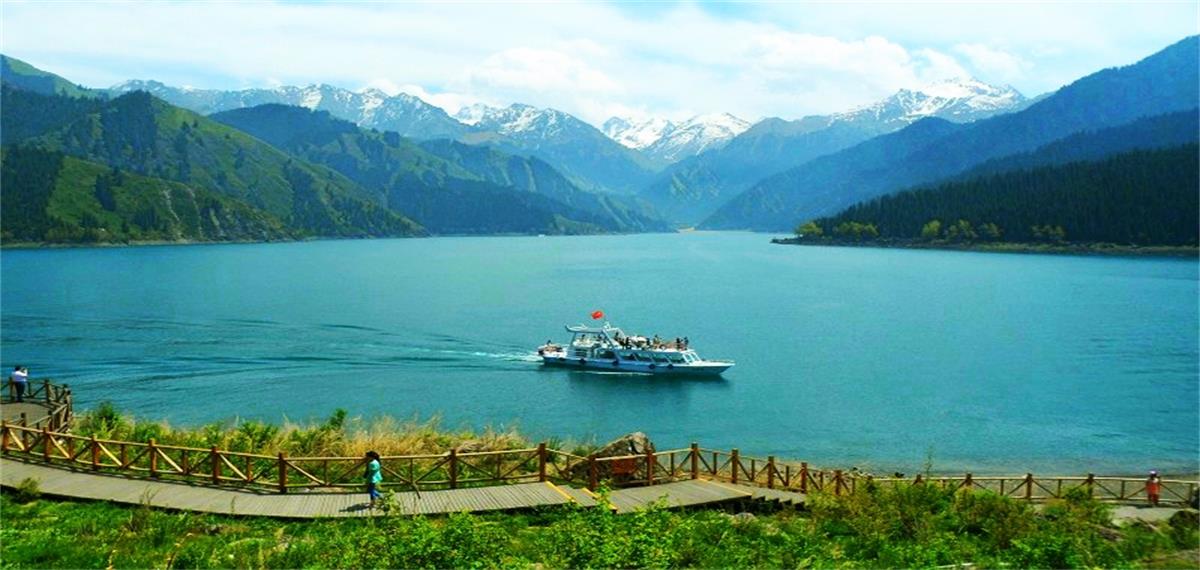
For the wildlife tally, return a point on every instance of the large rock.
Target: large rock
(636, 443)
(472, 446)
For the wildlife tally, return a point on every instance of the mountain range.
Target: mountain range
(933, 148)
(693, 189)
(441, 182)
(179, 163)
(583, 153)
(371, 108)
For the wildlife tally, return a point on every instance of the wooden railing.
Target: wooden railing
(696, 462)
(46, 439)
(53, 398)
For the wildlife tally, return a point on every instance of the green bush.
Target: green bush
(27, 491)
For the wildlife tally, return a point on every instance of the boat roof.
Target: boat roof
(607, 328)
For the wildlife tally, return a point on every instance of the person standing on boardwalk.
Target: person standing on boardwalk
(1153, 484)
(19, 379)
(374, 477)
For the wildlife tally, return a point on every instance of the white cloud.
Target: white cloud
(994, 64)
(933, 65)
(450, 102)
(530, 69)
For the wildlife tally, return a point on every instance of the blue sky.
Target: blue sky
(596, 59)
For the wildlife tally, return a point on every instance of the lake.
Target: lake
(876, 358)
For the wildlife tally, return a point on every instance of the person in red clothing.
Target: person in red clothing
(1153, 483)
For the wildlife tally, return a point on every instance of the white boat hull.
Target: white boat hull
(704, 367)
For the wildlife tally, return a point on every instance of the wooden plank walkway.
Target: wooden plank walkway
(696, 492)
(33, 408)
(180, 496)
(61, 482)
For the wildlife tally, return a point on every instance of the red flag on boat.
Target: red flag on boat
(597, 314)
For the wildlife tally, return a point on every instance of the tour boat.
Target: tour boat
(609, 348)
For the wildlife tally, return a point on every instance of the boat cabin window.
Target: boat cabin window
(581, 352)
(660, 359)
(627, 356)
(677, 358)
(642, 357)
(608, 354)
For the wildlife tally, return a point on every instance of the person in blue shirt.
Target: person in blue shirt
(374, 476)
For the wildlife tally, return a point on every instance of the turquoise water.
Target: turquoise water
(850, 357)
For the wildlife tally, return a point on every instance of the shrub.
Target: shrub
(27, 491)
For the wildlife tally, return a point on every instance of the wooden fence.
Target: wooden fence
(46, 440)
(53, 401)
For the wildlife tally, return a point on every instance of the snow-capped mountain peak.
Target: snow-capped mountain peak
(960, 100)
(516, 119)
(670, 141)
(472, 114)
(637, 134)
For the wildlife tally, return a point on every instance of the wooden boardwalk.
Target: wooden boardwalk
(60, 482)
(31, 410)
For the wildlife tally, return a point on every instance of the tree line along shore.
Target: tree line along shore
(1141, 202)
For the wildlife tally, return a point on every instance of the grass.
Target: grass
(338, 436)
(919, 526)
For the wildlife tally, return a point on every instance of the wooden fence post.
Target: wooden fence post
(49, 396)
(770, 471)
(24, 420)
(1091, 480)
(734, 464)
(542, 462)
(593, 475)
(968, 481)
(453, 468)
(95, 454)
(837, 482)
(3, 436)
(803, 476)
(282, 473)
(695, 460)
(153, 458)
(216, 466)
(46, 444)
(1029, 486)
(649, 467)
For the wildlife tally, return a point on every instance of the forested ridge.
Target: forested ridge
(50, 197)
(1144, 197)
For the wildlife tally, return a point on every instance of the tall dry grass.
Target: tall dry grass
(338, 436)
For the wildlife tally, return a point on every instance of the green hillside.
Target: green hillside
(27, 114)
(1145, 197)
(53, 198)
(24, 76)
(143, 135)
(449, 187)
